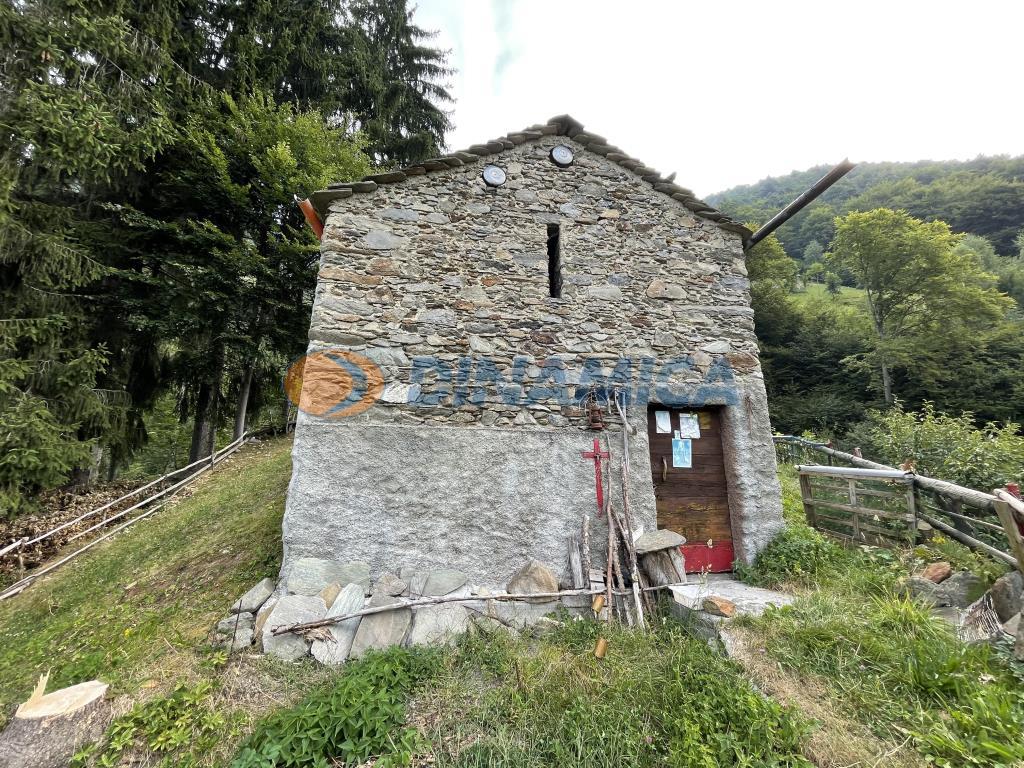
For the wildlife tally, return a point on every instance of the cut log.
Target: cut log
(48, 729)
(578, 580)
(666, 566)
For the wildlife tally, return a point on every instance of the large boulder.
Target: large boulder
(962, 589)
(334, 651)
(1007, 595)
(442, 581)
(532, 579)
(309, 575)
(254, 599)
(291, 609)
(959, 591)
(389, 584)
(381, 630)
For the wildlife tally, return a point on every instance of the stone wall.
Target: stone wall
(473, 451)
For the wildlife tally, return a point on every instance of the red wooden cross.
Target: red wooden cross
(597, 454)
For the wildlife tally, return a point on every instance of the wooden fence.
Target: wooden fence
(868, 502)
(869, 506)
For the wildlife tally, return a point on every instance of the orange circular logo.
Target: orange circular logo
(333, 383)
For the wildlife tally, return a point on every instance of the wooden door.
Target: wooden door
(692, 500)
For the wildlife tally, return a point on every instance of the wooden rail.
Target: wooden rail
(200, 467)
(928, 500)
(869, 506)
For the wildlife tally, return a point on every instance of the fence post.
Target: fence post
(808, 499)
(854, 515)
(1012, 531)
(912, 511)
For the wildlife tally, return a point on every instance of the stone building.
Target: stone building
(475, 314)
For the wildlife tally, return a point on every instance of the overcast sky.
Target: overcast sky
(726, 93)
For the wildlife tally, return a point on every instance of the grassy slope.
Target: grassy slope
(877, 661)
(136, 611)
(848, 297)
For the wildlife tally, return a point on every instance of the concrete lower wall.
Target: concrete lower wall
(481, 500)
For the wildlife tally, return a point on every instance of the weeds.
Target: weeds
(658, 698)
(360, 717)
(180, 728)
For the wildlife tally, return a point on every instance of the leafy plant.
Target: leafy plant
(361, 717)
(180, 727)
(949, 447)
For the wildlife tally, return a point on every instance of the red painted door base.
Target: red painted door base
(717, 558)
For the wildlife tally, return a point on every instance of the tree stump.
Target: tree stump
(47, 730)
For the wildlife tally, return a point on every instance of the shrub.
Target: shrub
(798, 554)
(948, 447)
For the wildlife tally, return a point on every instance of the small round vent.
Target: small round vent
(561, 156)
(493, 176)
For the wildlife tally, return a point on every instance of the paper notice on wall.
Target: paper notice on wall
(689, 425)
(663, 422)
(682, 453)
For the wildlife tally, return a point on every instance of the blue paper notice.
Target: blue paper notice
(682, 453)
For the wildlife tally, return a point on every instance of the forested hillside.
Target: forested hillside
(984, 196)
(903, 282)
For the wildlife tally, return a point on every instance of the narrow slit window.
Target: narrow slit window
(554, 261)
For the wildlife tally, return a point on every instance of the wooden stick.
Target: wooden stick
(628, 535)
(619, 581)
(282, 629)
(128, 495)
(13, 545)
(1005, 508)
(970, 541)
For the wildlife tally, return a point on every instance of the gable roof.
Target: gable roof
(562, 125)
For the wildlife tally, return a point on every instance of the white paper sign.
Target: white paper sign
(663, 422)
(689, 425)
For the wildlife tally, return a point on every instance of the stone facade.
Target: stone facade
(470, 455)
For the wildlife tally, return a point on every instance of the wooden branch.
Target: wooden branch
(634, 566)
(108, 505)
(282, 629)
(1005, 507)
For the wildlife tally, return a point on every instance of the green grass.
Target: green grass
(886, 660)
(848, 297)
(660, 698)
(136, 611)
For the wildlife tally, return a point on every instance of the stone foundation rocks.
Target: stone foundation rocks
(438, 624)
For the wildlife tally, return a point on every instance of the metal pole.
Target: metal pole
(800, 203)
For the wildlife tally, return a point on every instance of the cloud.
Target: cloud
(729, 93)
